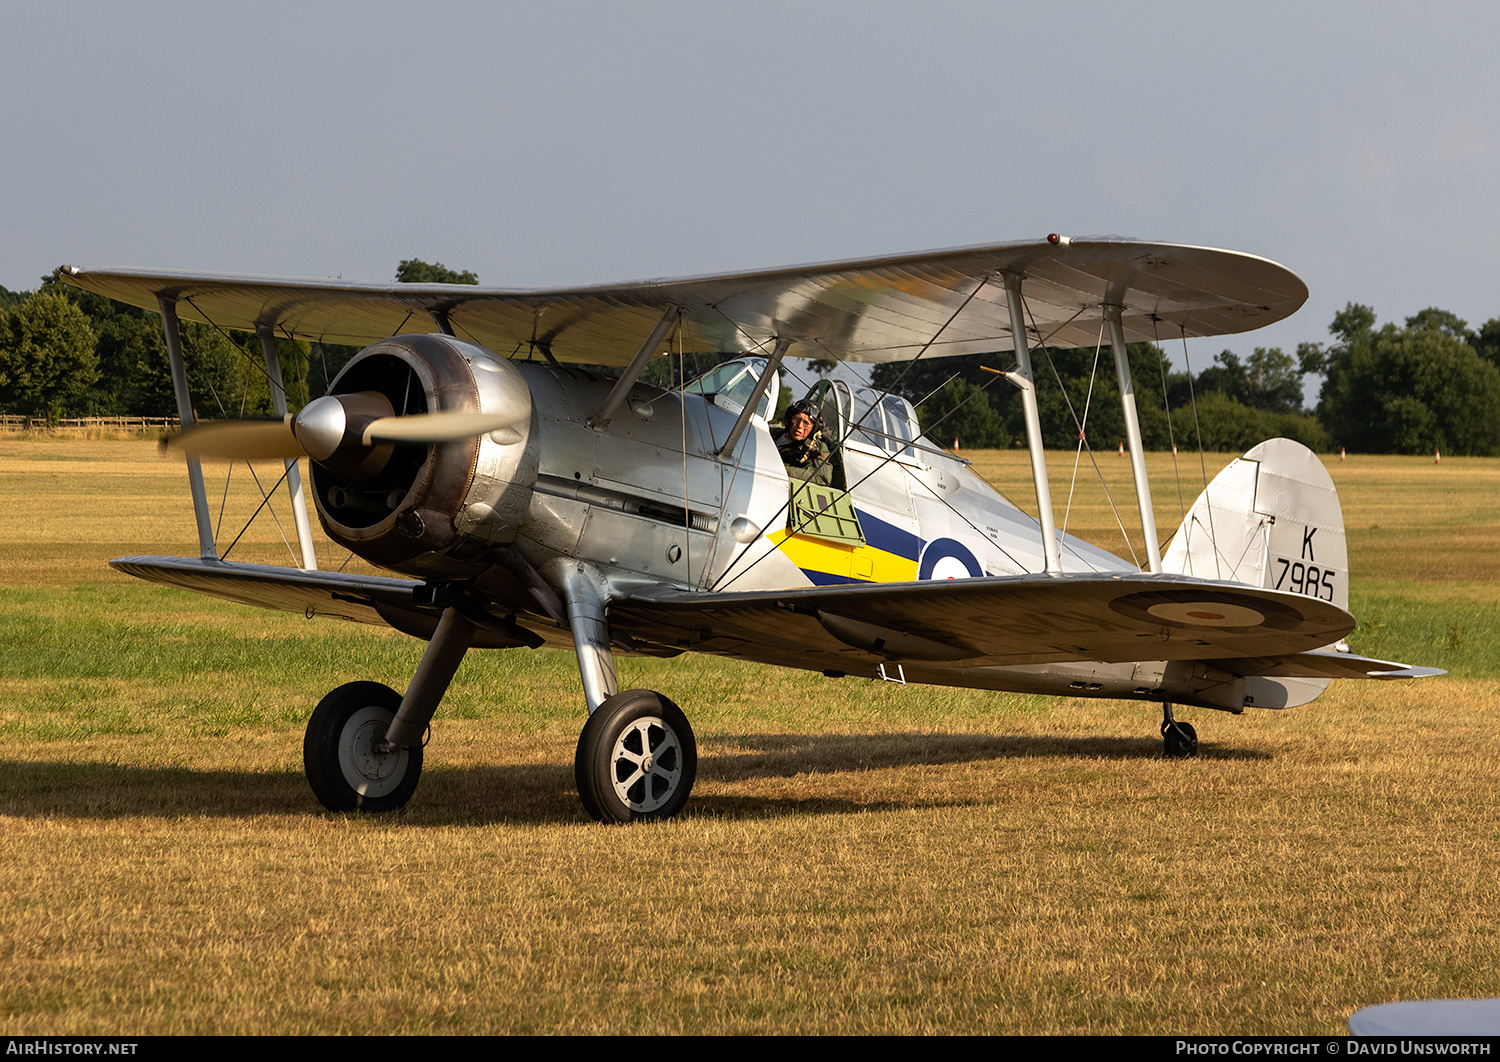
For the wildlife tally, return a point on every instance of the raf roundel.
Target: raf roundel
(1208, 614)
(947, 558)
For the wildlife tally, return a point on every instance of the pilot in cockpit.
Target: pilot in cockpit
(801, 445)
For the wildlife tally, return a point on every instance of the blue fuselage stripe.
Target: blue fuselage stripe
(824, 579)
(889, 537)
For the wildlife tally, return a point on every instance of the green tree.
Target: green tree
(1268, 380)
(1229, 426)
(416, 271)
(1487, 341)
(216, 377)
(1070, 383)
(961, 412)
(47, 358)
(1437, 320)
(1354, 323)
(1409, 390)
(127, 337)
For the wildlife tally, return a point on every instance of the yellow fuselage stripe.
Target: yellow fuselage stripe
(865, 563)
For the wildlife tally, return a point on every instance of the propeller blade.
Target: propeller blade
(436, 427)
(246, 440)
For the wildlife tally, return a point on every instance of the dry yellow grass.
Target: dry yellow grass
(857, 857)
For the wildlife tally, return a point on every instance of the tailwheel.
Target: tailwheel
(1180, 740)
(636, 759)
(344, 753)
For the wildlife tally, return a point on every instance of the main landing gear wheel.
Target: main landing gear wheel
(1180, 739)
(636, 759)
(343, 754)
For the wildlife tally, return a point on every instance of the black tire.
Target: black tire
(1180, 740)
(344, 769)
(631, 729)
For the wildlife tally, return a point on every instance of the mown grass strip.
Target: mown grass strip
(858, 857)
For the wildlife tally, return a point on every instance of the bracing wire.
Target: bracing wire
(1046, 350)
(266, 495)
(1083, 426)
(1166, 405)
(264, 501)
(1202, 460)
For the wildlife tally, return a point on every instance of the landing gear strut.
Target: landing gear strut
(363, 749)
(1180, 740)
(636, 758)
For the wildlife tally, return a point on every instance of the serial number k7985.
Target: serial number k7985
(1302, 578)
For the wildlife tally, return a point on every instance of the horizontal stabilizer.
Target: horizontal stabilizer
(1325, 664)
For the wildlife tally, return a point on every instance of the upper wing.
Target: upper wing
(874, 309)
(1033, 619)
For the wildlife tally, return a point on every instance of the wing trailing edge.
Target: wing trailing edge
(1032, 619)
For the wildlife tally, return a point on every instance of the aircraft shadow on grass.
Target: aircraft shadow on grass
(544, 792)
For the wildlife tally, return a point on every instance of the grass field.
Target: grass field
(857, 857)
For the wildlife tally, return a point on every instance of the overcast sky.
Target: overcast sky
(570, 143)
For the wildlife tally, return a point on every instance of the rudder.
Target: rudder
(1271, 519)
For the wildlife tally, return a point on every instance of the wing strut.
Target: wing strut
(293, 472)
(753, 402)
(1133, 438)
(206, 547)
(633, 371)
(1025, 380)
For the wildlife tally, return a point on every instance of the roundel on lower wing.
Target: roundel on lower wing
(947, 558)
(1192, 607)
(1207, 614)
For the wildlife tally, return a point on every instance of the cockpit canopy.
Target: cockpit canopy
(863, 416)
(856, 415)
(730, 385)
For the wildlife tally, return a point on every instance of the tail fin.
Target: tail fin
(1270, 519)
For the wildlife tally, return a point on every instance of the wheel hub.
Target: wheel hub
(646, 764)
(368, 768)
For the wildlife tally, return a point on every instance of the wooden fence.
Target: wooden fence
(16, 422)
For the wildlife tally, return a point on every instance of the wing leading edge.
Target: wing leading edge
(869, 310)
(373, 599)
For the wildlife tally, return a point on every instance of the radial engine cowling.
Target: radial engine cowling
(430, 509)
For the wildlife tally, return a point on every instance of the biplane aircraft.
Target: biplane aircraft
(531, 502)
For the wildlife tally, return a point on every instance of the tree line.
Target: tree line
(68, 352)
(1432, 384)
